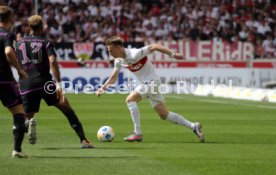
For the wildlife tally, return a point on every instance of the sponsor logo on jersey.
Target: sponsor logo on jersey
(138, 65)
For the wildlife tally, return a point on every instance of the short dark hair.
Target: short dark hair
(35, 22)
(115, 41)
(5, 13)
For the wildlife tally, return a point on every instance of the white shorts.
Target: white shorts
(150, 90)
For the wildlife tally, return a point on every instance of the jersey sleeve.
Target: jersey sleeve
(10, 41)
(117, 64)
(142, 52)
(51, 49)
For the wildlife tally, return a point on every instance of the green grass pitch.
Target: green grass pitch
(240, 139)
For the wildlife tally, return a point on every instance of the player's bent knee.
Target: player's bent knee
(17, 109)
(63, 107)
(133, 97)
(162, 116)
(30, 115)
(129, 100)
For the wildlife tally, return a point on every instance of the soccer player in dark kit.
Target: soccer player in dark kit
(37, 57)
(9, 92)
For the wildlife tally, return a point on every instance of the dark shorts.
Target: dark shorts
(31, 100)
(9, 94)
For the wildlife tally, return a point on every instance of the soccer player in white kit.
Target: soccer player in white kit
(136, 61)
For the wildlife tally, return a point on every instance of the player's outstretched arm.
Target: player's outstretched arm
(165, 50)
(10, 53)
(111, 80)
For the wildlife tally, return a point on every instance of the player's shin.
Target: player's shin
(178, 119)
(135, 115)
(18, 130)
(75, 123)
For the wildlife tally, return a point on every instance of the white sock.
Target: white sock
(178, 119)
(135, 115)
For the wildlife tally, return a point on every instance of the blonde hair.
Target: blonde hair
(35, 22)
(5, 13)
(114, 40)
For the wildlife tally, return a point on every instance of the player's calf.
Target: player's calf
(18, 130)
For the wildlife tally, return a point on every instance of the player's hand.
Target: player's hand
(59, 92)
(60, 95)
(22, 74)
(179, 56)
(99, 92)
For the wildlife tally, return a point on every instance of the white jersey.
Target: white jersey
(137, 62)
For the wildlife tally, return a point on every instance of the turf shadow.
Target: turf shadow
(111, 148)
(123, 148)
(79, 157)
(174, 142)
(61, 148)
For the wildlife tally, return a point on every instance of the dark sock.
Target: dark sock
(18, 130)
(75, 124)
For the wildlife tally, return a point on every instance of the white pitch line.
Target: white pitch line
(223, 102)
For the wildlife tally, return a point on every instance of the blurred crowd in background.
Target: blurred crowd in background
(154, 20)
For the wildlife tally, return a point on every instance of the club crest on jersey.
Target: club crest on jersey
(137, 66)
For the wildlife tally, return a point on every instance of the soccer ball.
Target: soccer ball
(105, 134)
